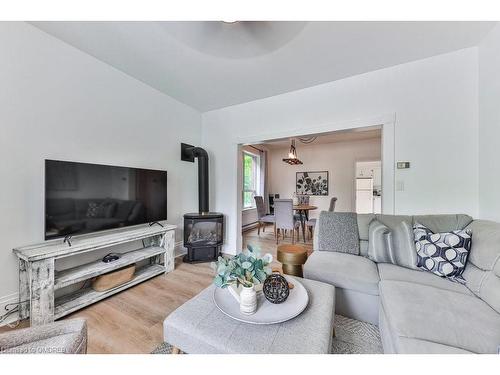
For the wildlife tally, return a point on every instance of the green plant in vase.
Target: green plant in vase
(240, 274)
(246, 269)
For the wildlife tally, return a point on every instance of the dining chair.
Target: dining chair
(285, 219)
(263, 217)
(311, 223)
(333, 201)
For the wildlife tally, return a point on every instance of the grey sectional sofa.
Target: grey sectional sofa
(416, 311)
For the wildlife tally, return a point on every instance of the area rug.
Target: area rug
(351, 337)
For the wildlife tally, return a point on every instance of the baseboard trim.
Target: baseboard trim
(250, 226)
(4, 301)
(179, 249)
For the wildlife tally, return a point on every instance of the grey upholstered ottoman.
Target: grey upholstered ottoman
(64, 337)
(198, 327)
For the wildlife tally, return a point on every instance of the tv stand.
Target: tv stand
(39, 279)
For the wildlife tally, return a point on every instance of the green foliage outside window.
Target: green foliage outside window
(249, 180)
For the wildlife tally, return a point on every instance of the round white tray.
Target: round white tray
(267, 312)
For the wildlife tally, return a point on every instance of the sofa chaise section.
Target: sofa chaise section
(434, 315)
(356, 279)
(417, 311)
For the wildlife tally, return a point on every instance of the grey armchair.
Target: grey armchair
(262, 217)
(285, 219)
(64, 337)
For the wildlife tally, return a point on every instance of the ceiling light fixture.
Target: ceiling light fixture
(292, 155)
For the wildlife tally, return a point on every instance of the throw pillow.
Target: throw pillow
(338, 232)
(396, 245)
(444, 254)
(105, 209)
(92, 209)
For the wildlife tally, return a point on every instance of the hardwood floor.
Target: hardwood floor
(132, 321)
(266, 242)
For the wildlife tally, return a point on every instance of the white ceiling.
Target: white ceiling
(210, 65)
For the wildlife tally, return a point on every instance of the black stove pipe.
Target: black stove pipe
(202, 156)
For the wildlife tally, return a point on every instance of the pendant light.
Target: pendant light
(292, 155)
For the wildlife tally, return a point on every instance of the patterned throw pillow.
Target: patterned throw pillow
(99, 210)
(444, 254)
(93, 209)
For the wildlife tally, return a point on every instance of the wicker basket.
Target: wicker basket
(113, 279)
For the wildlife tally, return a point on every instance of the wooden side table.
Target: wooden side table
(292, 257)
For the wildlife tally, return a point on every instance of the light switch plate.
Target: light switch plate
(403, 164)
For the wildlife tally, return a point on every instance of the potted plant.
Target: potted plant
(241, 274)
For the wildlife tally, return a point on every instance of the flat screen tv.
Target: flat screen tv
(84, 198)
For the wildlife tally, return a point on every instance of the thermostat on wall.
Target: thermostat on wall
(403, 164)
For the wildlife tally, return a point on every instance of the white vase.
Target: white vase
(247, 297)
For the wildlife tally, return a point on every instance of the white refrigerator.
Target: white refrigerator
(364, 195)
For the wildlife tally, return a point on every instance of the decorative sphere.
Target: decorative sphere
(276, 288)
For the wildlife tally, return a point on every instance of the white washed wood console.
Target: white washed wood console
(38, 278)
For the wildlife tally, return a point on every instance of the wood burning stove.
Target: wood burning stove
(203, 236)
(204, 230)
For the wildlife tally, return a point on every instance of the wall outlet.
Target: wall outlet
(403, 164)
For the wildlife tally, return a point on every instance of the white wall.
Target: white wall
(338, 158)
(60, 103)
(435, 102)
(489, 126)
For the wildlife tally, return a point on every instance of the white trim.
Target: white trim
(386, 121)
(324, 128)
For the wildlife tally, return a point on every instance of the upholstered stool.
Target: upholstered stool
(292, 257)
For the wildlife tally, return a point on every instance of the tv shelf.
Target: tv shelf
(93, 269)
(72, 302)
(38, 279)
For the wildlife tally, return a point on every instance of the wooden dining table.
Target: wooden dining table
(303, 211)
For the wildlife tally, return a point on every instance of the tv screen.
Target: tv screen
(84, 198)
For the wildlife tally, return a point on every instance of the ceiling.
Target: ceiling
(338, 136)
(210, 65)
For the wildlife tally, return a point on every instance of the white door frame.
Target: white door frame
(388, 124)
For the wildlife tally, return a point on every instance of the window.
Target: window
(251, 179)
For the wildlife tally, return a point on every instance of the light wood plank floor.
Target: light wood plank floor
(132, 321)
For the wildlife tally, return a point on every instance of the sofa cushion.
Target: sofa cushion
(63, 208)
(483, 268)
(392, 221)
(396, 273)
(364, 221)
(123, 209)
(415, 346)
(486, 247)
(101, 223)
(443, 223)
(440, 316)
(343, 270)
